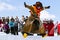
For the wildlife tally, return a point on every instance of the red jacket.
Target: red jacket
(58, 28)
(50, 29)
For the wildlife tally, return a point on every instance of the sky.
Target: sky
(16, 8)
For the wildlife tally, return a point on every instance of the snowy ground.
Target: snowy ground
(4, 36)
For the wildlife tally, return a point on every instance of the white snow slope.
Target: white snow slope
(4, 36)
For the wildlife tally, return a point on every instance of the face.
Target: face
(38, 5)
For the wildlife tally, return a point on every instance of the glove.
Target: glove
(24, 4)
(47, 7)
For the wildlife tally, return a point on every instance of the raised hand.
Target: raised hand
(47, 7)
(25, 4)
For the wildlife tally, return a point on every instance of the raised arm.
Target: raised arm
(47, 7)
(27, 6)
(42, 7)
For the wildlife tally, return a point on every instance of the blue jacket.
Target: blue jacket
(11, 24)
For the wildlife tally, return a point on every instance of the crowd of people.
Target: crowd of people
(51, 27)
(12, 25)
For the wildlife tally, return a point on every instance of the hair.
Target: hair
(40, 4)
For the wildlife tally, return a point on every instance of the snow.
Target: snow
(4, 36)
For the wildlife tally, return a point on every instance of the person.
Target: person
(6, 28)
(16, 25)
(50, 28)
(11, 25)
(20, 26)
(35, 14)
(22, 21)
(3, 23)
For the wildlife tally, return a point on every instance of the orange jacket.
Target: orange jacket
(37, 11)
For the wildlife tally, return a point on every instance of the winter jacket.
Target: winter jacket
(6, 26)
(11, 24)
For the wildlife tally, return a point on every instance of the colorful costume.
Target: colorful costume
(34, 24)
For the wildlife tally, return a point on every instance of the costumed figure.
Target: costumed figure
(34, 24)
